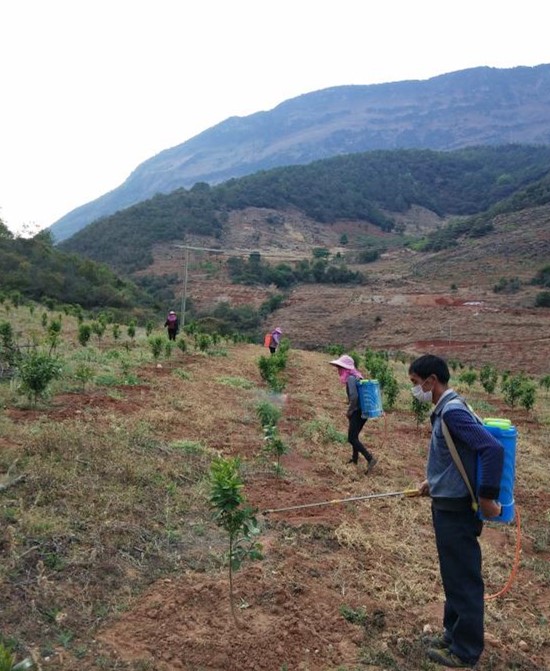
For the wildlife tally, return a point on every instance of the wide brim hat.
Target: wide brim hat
(345, 361)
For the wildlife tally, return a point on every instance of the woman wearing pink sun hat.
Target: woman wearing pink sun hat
(348, 374)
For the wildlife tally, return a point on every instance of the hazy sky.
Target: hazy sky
(91, 88)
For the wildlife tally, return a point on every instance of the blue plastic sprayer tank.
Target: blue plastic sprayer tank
(506, 434)
(370, 398)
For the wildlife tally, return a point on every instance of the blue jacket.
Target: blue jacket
(447, 488)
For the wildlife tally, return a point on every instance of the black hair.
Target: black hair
(430, 364)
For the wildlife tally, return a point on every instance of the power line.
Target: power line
(239, 252)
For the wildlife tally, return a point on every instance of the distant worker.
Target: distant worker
(349, 375)
(275, 340)
(172, 324)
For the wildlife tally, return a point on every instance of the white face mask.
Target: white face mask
(421, 395)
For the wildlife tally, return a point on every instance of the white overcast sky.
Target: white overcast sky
(91, 88)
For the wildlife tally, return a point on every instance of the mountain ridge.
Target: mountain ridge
(478, 106)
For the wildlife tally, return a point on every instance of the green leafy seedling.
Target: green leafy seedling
(234, 516)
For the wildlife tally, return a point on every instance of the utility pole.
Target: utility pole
(224, 252)
(184, 294)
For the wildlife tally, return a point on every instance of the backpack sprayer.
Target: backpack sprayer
(406, 492)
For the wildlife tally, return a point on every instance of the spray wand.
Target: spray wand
(406, 492)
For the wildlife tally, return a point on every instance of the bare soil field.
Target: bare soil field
(441, 302)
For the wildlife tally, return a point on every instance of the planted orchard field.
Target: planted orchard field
(111, 559)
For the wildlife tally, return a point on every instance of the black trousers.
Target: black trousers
(356, 423)
(456, 537)
(172, 334)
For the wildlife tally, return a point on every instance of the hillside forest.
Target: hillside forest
(364, 187)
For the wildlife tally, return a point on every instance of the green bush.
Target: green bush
(544, 383)
(488, 377)
(98, 328)
(234, 516)
(156, 343)
(8, 348)
(268, 414)
(269, 371)
(542, 299)
(84, 334)
(37, 370)
(468, 377)
(132, 329)
(519, 389)
(379, 368)
(421, 410)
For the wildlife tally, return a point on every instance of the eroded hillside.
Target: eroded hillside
(442, 302)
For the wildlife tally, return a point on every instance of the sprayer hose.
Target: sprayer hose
(515, 565)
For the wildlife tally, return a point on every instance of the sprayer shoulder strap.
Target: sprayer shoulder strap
(458, 462)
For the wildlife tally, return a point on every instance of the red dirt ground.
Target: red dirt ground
(289, 604)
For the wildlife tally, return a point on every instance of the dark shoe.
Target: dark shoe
(372, 464)
(439, 642)
(448, 658)
(352, 461)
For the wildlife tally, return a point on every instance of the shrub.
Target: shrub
(269, 370)
(335, 350)
(37, 370)
(512, 389)
(528, 394)
(54, 331)
(542, 299)
(98, 328)
(156, 343)
(232, 515)
(379, 368)
(84, 374)
(84, 334)
(132, 329)
(488, 377)
(544, 383)
(468, 377)
(268, 414)
(203, 342)
(507, 286)
(8, 348)
(420, 409)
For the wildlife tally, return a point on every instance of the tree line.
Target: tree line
(33, 269)
(363, 187)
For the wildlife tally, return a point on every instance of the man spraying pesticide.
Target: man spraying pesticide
(464, 454)
(459, 443)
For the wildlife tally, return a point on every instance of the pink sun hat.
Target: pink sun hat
(345, 361)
